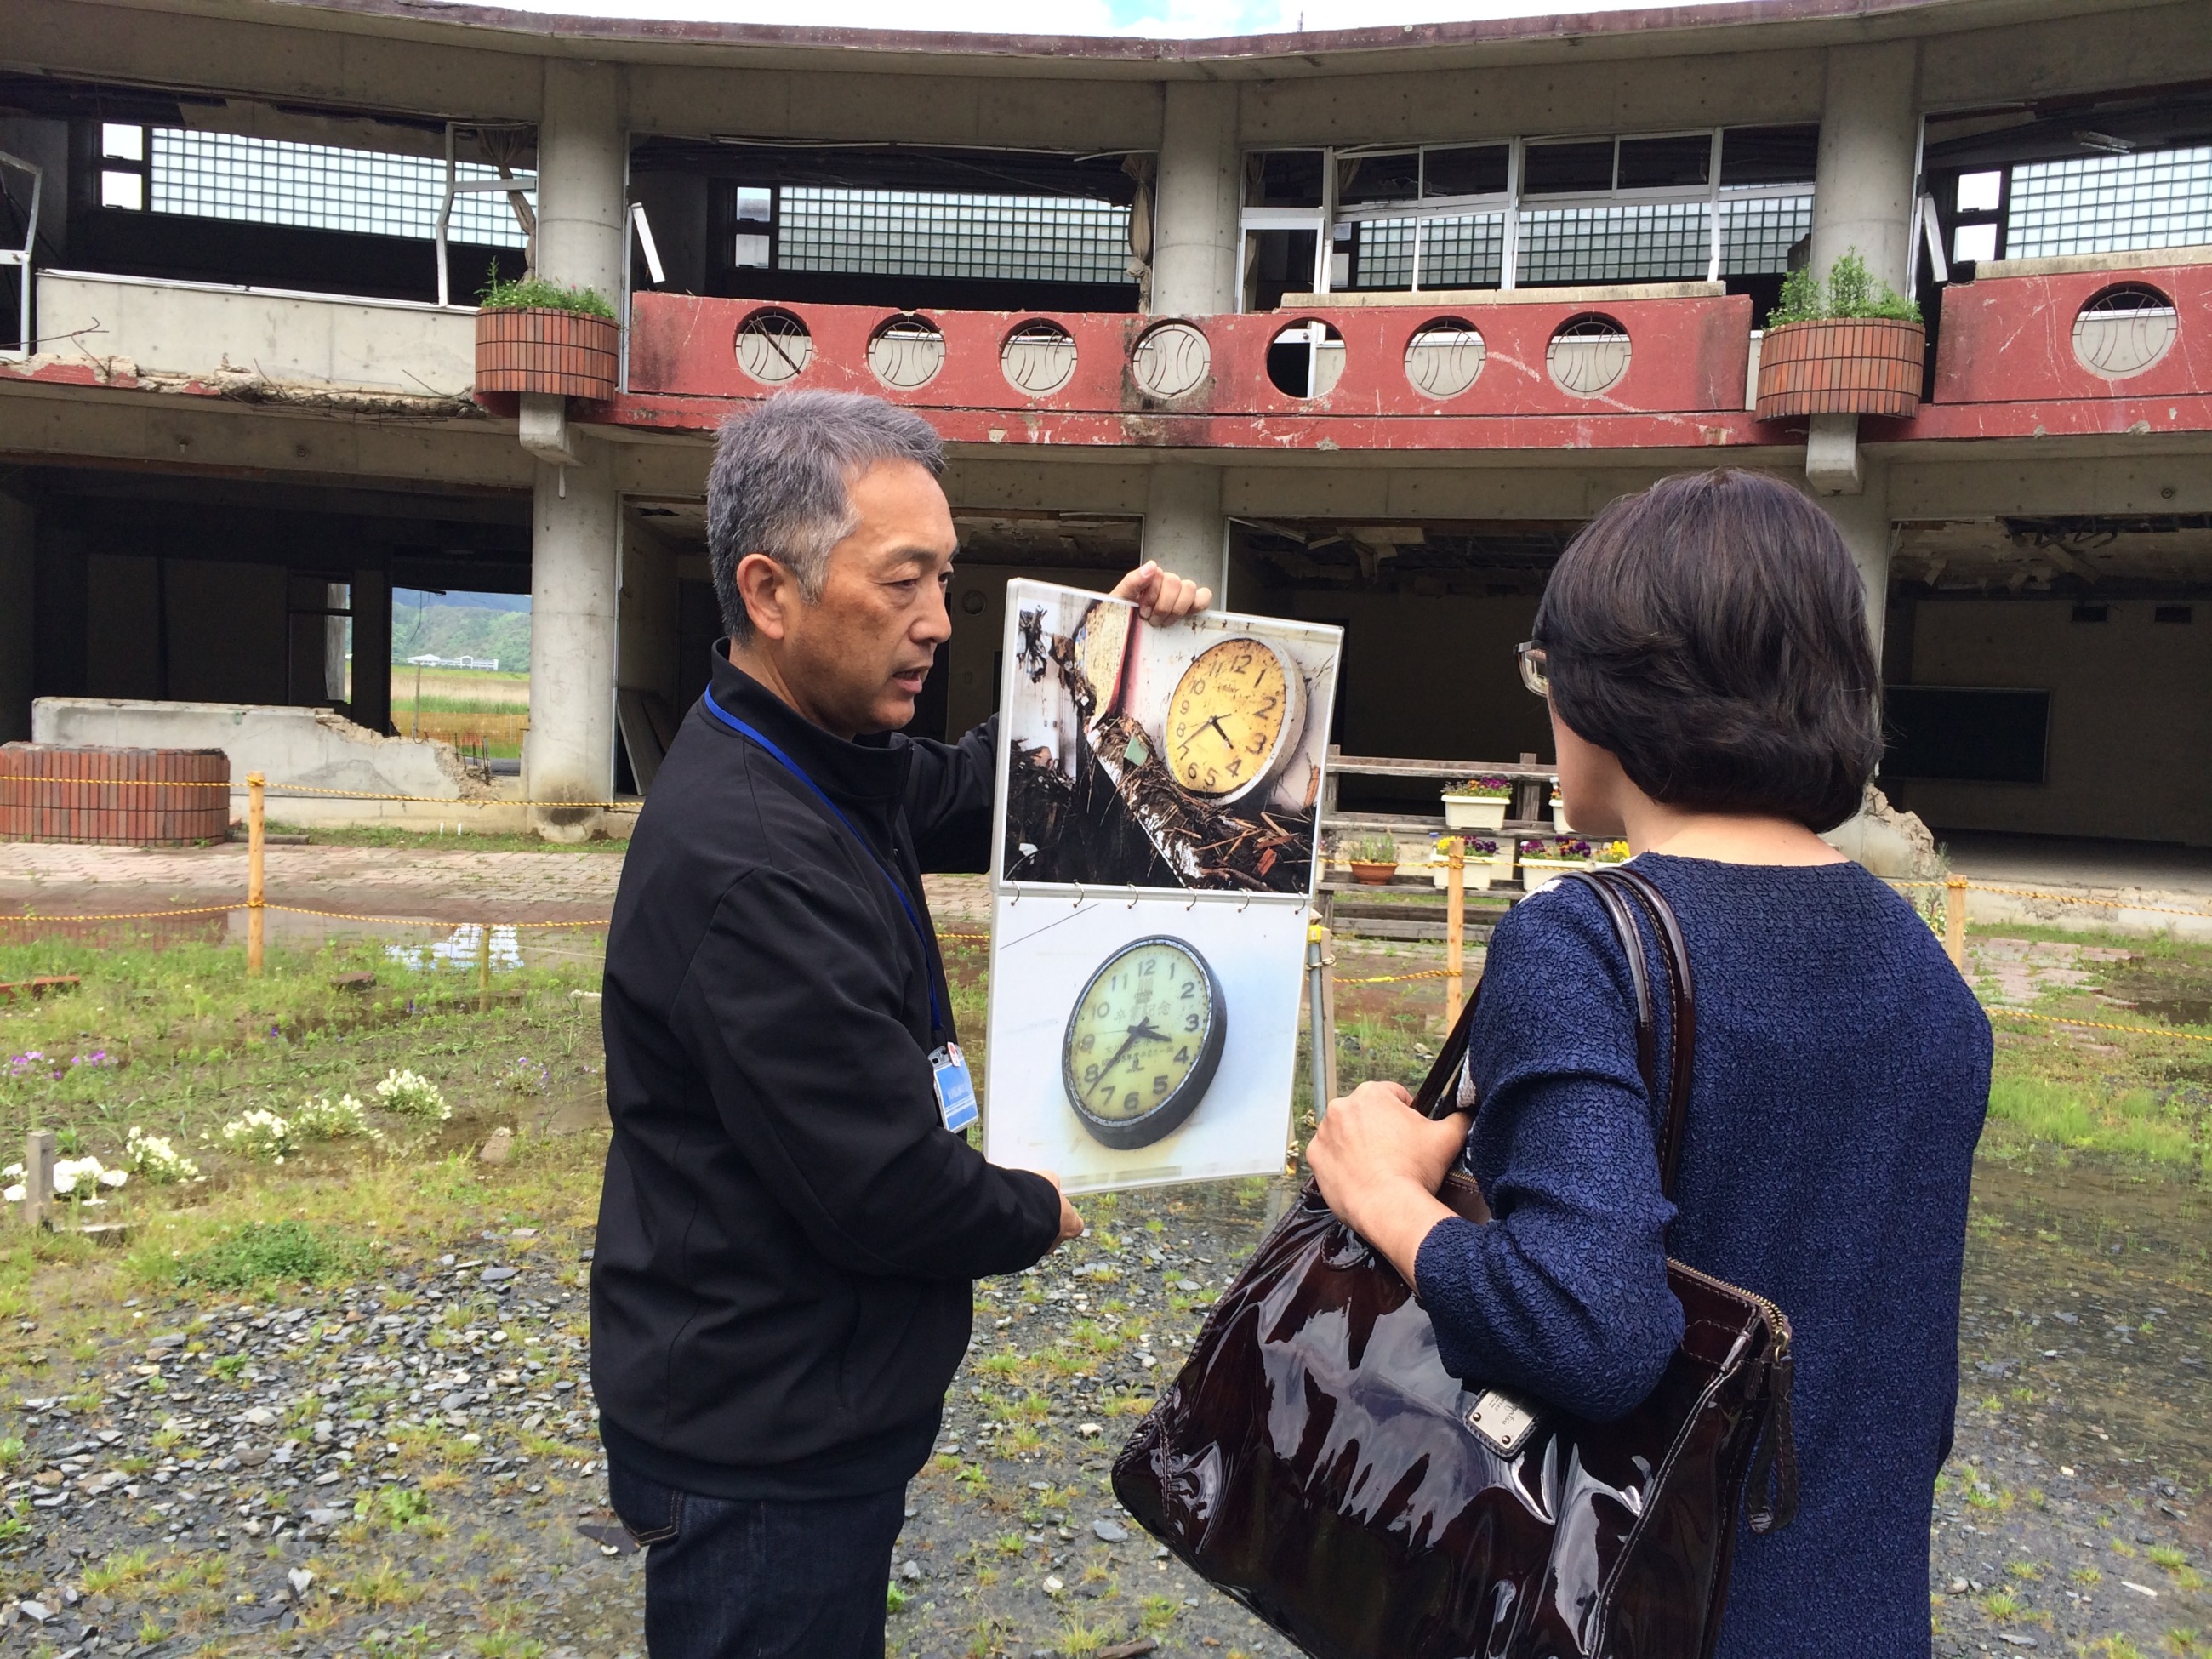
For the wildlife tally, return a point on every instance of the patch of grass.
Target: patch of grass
(117, 1572)
(2132, 1123)
(895, 1599)
(2165, 1555)
(2000, 1606)
(384, 1585)
(259, 1252)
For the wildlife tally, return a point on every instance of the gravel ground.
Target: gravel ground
(407, 1466)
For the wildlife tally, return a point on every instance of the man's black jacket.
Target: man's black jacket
(781, 1288)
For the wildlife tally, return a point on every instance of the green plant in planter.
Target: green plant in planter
(1372, 849)
(536, 293)
(1482, 788)
(1850, 291)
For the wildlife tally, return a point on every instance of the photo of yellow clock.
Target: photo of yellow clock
(1143, 1042)
(1238, 710)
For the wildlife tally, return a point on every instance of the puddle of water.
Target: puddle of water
(2092, 1290)
(459, 949)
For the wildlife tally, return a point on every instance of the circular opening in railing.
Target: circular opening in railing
(1038, 358)
(1587, 354)
(774, 347)
(1444, 357)
(1171, 360)
(1306, 359)
(2124, 329)
(906, 352)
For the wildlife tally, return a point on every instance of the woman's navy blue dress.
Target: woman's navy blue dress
(1842, 1074)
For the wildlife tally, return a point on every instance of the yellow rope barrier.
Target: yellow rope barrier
(2069, 898)
(1397, 979)
(2101, 1025)
(129, 915)
(434, 921)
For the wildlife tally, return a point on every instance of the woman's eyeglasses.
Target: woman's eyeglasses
(1531, 656)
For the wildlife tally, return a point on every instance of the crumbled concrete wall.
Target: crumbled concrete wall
(1893, 844)
(288, 746)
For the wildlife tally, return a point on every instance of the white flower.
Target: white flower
(155, 1158)
(11, 1172)
(259, 1133)
(16, 1193)
(113, 1177)
(321, 1118)
(412, 1095)
(68, 1171)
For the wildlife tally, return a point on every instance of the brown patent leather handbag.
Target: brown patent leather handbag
(1315, 1459)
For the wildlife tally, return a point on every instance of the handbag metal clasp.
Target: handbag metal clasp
(1501, 1423)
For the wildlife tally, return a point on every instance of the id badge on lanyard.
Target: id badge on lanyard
(955, 1089)
(948, 1066)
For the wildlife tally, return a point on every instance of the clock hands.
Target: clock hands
(1140, 1032)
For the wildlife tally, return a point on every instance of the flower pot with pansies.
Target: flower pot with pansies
(1543, 862)
(1479, 863)
(1477, 804)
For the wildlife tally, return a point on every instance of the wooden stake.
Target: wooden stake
(257, 842)
(483, 966)
(1954, 920)
(38, 1178)
(1455, 927)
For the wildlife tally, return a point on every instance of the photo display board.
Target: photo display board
(1158, 805)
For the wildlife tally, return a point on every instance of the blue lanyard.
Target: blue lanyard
(898, 887)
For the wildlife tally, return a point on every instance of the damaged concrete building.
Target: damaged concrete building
(1358, 327)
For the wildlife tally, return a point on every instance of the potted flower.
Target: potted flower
(1560, 810)
(1610, 852)
(1852, 346)
(1543, 862)
(1477, 804)
(1373, 859)
(1480, 862)
(537, 336)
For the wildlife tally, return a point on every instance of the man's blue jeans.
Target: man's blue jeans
(759, 1579)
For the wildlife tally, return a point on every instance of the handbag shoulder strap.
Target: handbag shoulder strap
(1437, 1096)
(1681, 1007)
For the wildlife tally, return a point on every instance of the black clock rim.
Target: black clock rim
(1269, 761)
(1128, 1134)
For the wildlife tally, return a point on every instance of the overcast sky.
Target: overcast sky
(1146, 17)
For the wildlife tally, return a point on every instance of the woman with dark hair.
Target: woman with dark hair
(1714, 699)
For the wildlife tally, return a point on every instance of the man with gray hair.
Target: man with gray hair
(793, 1216)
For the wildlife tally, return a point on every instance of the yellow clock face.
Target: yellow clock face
(1143, 1042)
(1232, 715)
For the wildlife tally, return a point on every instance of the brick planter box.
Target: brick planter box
(564, 353)
(117, 797)
(1848, 366)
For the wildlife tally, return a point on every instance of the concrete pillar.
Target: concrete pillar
(1863, 200)
(1863, 518)
(1184, 529)
(1869, 142)
(581, 163)
(370, 697)
(19, 567)
(574, 557)
(1196, 235)
(576, 516)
